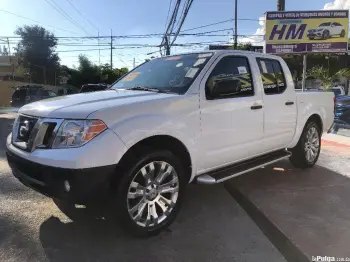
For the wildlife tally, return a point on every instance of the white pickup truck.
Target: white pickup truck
(201, 117)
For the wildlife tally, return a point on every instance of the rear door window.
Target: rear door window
(19, 94)
(52, 94)
(272, 76)
(32, 91)
(43, 93)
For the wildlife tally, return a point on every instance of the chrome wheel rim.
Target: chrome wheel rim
(153, 193)
(312, 144)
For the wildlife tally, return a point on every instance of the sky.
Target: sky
(131, 17)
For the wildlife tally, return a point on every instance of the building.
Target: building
(6, 66)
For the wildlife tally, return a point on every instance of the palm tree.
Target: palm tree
(320, 73)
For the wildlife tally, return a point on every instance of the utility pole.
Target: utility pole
(10, 58)
(134, 63)
(44, 70)
(167, 47)
(111, 50)
(281, 5)
(236, 19)
(8, 45)
(99, 51)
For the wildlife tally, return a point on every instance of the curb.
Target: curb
(336, 139)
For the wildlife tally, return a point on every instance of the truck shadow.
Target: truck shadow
(302, 212)
(210, 227)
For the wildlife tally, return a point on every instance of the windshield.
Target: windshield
(325, 24)
(172, 74)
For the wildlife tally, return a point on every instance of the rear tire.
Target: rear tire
(311, 37)
(305, 154)
(150, 192)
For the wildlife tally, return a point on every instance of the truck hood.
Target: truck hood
(80, 106)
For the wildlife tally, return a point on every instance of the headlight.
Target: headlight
(75, 133)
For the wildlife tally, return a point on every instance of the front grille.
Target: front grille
(30, 133)
(24, 127)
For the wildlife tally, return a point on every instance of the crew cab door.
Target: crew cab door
(232, 123)
(280, 112)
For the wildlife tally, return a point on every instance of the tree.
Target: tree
(318, 72)
(244, 46)
(89, 73)
(37, 51)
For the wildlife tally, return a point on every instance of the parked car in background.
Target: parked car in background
(342, 112)
(29, 93)
(326, 30)
(93, 88)
(338, 90)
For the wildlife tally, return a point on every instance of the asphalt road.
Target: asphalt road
(215, 224)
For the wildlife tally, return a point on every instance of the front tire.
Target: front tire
(150, 192)
(342, 33)
(305, 154)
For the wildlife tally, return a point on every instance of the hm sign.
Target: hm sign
(319, 31)
(287, 32)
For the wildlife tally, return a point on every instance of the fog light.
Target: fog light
(66, 186)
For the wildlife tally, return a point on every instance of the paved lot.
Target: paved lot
(277, 213)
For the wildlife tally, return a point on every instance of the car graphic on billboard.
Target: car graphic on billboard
(326, 30)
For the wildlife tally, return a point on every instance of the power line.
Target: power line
(199, 27)
(35, 21)
(54, 5)
(184, 15)
(83, 50)
(167, 17)
(76, 9)
(220, 22)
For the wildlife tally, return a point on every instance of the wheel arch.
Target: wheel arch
(314, 117)
(166, 142)
(318, 120)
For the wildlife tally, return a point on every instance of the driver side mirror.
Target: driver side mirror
(223, 88)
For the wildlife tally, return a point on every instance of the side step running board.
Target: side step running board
(226, 173)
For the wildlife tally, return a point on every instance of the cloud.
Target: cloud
(258, 37)
(337, 4)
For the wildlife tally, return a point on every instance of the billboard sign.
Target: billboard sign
(307, 31)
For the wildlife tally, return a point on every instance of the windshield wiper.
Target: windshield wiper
(150, 89)
(143, 88)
